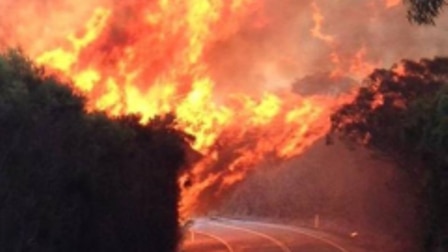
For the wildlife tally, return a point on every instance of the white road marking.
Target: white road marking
(225, 243)
(296, 230)
(273, 240)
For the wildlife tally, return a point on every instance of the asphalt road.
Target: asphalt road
(223, 235)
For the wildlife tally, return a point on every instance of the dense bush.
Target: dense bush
(77, 181)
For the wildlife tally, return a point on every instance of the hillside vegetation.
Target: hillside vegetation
(395, 185)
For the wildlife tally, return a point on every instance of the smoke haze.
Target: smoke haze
(272, 46)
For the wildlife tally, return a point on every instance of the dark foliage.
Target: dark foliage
(77, 181)
(405, 116)
(424, 11)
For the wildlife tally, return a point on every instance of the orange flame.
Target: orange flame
(392, 3)
(149, 58)
(318, 19)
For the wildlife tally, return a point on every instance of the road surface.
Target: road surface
(223, 235)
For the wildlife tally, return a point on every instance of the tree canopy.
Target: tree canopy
(403, 114)
(77, 181)
(424, 11)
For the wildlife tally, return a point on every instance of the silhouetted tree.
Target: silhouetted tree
(77, 181)
(424, 11)
(404, 115)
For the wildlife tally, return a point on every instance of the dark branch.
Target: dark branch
(424, 12)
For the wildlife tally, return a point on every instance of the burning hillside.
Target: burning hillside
(224, 68)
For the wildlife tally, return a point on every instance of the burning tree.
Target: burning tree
(402, 113)
(222, 67)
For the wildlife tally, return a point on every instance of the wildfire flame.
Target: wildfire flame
(157, 57)
(392, 3)
(153, 63)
